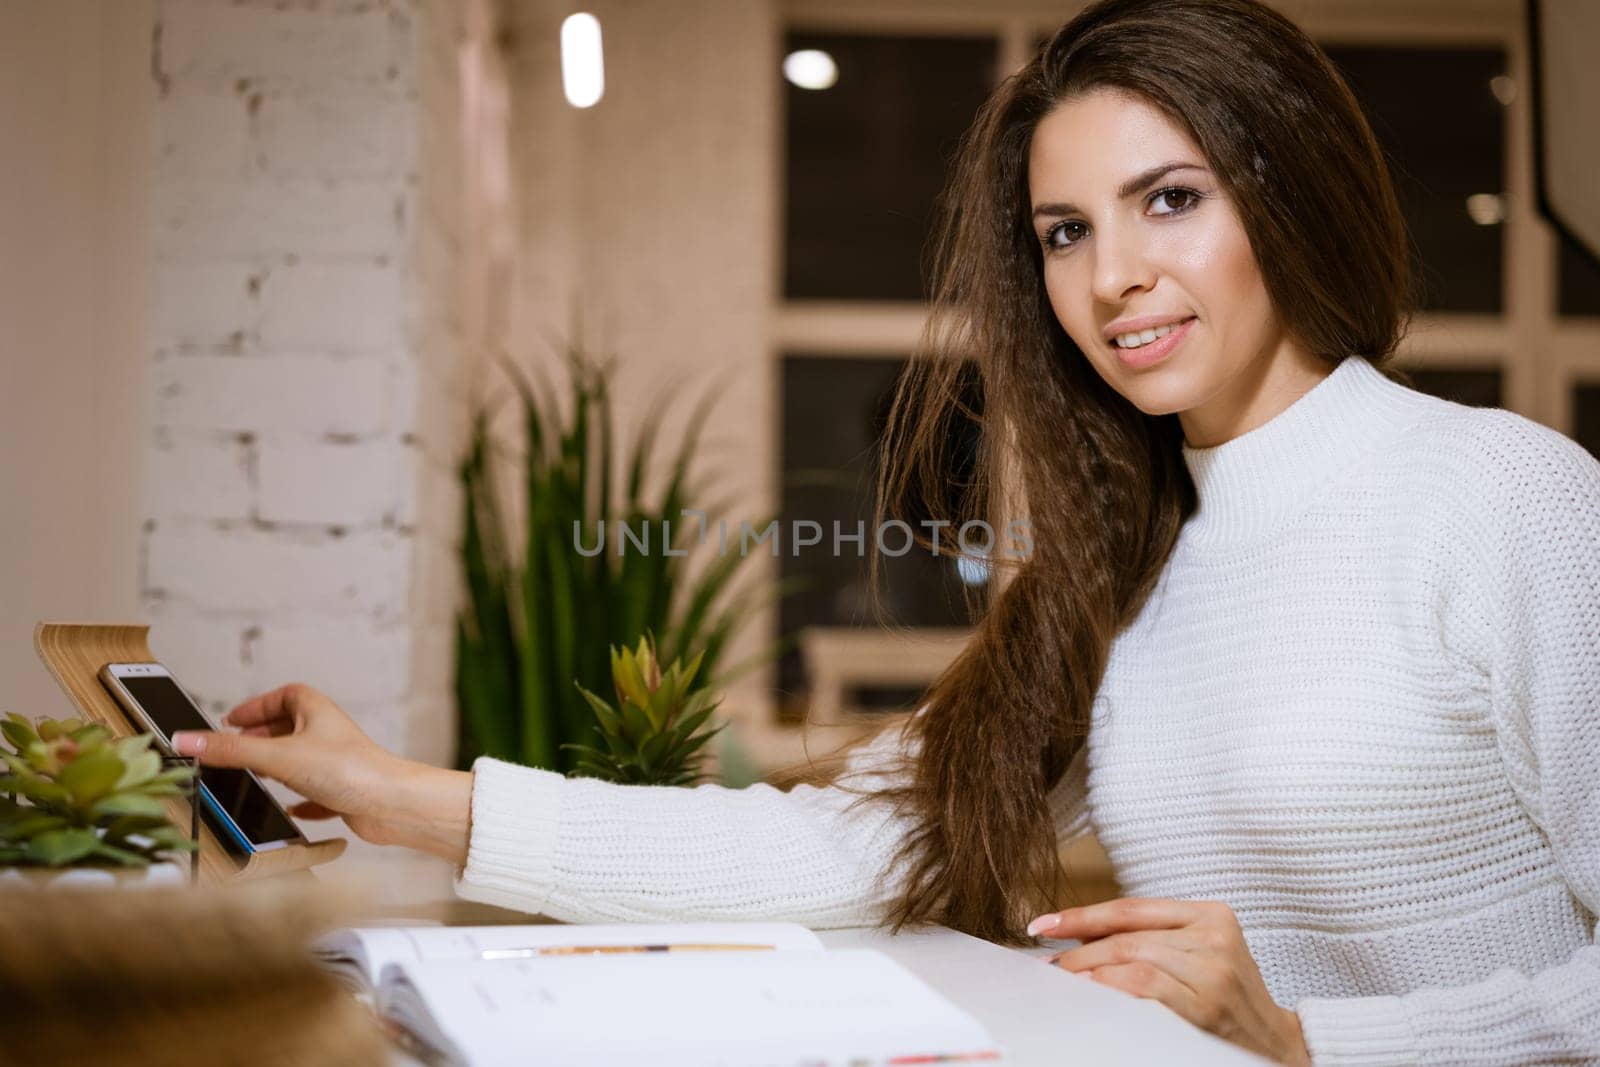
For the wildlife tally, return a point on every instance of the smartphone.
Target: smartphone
(235, 803)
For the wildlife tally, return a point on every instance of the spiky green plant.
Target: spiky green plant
(649, 737)
(541, 615)
(76, 796)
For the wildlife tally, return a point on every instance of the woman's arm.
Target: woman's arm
(1525, 610)
(304, 740)
(580, 849)
(583, 850)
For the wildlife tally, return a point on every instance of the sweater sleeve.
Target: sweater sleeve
(1532, 622)
(584, 850)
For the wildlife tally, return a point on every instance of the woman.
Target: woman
(1314, 652)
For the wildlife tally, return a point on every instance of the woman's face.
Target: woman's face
(1138, 235)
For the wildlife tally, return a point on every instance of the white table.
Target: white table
(1042, 1015)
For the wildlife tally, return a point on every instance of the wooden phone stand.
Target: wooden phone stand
(75, 652)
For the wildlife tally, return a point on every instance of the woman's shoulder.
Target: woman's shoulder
(1490, 454)
(1487, 482)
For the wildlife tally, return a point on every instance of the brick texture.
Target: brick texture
(307, 408)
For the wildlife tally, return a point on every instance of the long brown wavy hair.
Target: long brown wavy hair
(1103, 485)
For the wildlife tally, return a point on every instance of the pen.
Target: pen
(581, 950)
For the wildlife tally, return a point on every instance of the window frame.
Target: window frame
(1542, 355)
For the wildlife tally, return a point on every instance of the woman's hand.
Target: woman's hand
(304, 740)
(1190, 956)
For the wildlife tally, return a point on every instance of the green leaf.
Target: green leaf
(129, 747)
(629, 679)
(126, 857)
(92, 775)
(685, 750)
(688, 726)
(171, 776)
(651, 751)
(90, 735)
(62, 846)
(19, 732)
(636, 725)
(142, 768)
(127, 804)
(31, 823)
(687, 674)
(610, 724)
(170, 839)
(39, 790)
(124, 825)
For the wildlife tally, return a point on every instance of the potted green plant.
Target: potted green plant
(540, 615)
(650, 736)
(75, 799)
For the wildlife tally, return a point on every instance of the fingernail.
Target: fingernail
(1041, 924)
(188, 744)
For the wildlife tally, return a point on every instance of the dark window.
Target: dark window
(1443, 133)
(1478, 386)
(1579, 279)
(1586, 416)
(834, 413)
(867, 157)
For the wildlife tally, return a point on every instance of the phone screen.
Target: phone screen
(236, 792)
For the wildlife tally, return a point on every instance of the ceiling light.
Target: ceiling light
(583, 75)
(1486, 209)
(810, 68)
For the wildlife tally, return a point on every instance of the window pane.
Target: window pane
(1477, 386)
(834, 412)
(1443, 132)
(1586, 416)
(1580, 279)
(867, 157)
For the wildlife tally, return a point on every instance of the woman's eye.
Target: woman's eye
(1185, 199)
(1072, 230)
(1176, 199)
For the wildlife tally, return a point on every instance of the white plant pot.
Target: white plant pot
(155, 876)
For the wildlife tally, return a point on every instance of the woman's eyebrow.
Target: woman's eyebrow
(1131, 187)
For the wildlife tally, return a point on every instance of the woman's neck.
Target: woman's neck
(1254, 396)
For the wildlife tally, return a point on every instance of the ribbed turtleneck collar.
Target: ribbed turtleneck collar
(1248, 486)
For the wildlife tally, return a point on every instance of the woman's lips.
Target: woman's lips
(1154, 352)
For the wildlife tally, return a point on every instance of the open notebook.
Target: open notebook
(517, 994)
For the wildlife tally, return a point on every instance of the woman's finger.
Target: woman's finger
(1173, 951)
(264, 754)
(1150, 982)
(261, 709)
(310, 809)
(1116, 916)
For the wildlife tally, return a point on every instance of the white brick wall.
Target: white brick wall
(307, 412)
(255, 569)
(355, 482)
(313, 48)
(298, 396)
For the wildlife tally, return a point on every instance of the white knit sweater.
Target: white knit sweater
(1362, 708)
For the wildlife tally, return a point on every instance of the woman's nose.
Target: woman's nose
(1121, 266)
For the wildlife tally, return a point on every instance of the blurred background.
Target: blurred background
(266, 261)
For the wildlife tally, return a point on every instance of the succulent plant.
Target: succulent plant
(650, 734)
(75, 795)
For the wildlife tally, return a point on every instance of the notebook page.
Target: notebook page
(846, 1007)
(367, 950)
